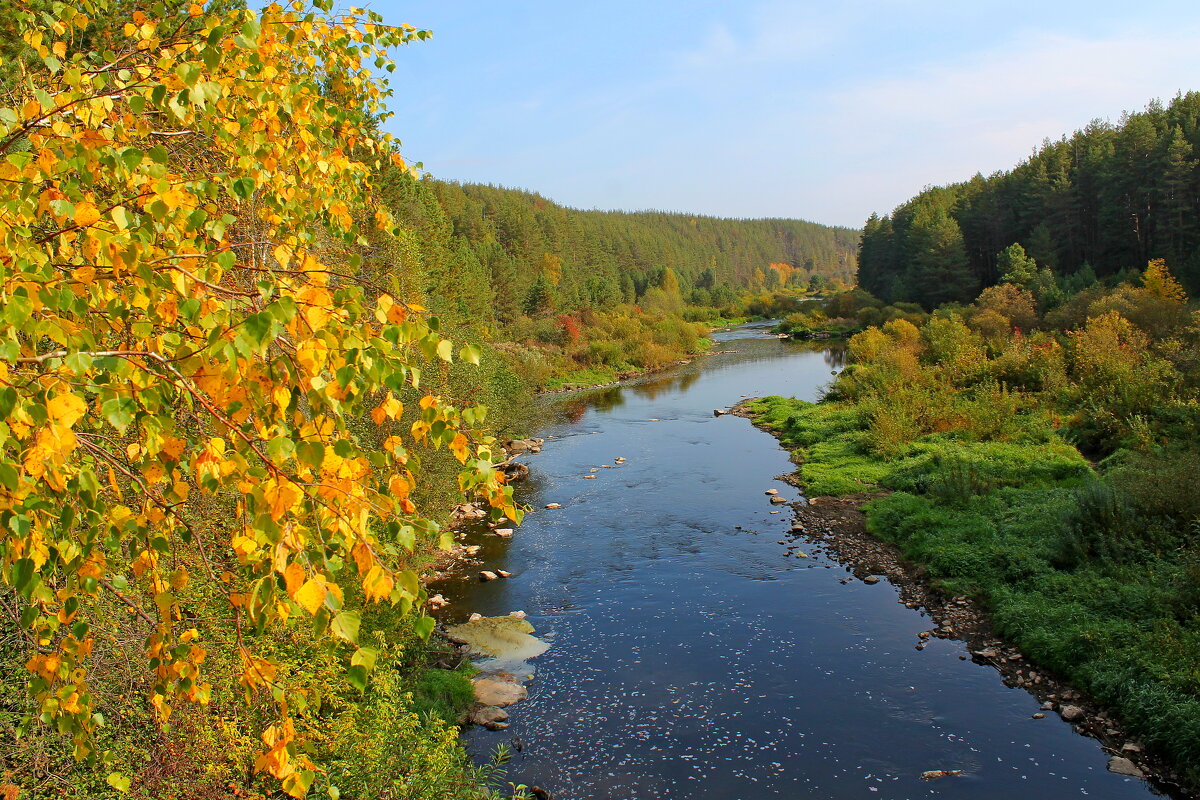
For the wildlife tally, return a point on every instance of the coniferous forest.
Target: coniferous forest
(1098, 204)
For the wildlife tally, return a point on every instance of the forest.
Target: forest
(577, 297)
(1099, 204)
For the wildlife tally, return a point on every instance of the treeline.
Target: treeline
(540, 256)
(1104, 201)
(575, 297)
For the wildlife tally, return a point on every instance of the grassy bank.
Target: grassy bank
(591, 348)
(1002, 522)
(1049, 476)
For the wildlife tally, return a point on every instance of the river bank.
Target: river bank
(852, 531)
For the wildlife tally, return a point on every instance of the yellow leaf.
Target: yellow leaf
(86, 214)
(459, 448)
(256, 671)
(364, 559)
(244, 546)
(378, 584)
(311, 595)
(66, 409)
(283, 497)
(294, 576)
(179, 579)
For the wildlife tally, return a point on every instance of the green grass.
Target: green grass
(1002, 521)
(582, 379)
(447, 694)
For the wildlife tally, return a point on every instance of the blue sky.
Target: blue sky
(820, 110)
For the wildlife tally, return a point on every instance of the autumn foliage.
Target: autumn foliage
(186, 353)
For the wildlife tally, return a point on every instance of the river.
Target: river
(692, 658)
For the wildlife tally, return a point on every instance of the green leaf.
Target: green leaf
(357, 675)
(8, 401)
(423, 626)
(310, 454)
(119, 412)
(23, 573)
(132, 157)
(118, 781)
(407, 538)
(445, 350)
(470, 353)
(366, 657)
(345, 626)
(243, 187)
(9, 477)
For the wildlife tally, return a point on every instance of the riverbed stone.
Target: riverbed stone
(489, 717)
(1072, 713)
(499, 693)
(1123, 766)
(871, 579)
(778, 501)
(771, 492)
(488, 575)
(934, 774)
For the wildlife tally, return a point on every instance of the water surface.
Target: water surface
(692, 658)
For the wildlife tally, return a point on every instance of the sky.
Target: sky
(825, 111)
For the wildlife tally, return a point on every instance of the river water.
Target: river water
(692, 658)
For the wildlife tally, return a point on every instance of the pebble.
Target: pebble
(871, 579)
(1039, 715)
(553, 505)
